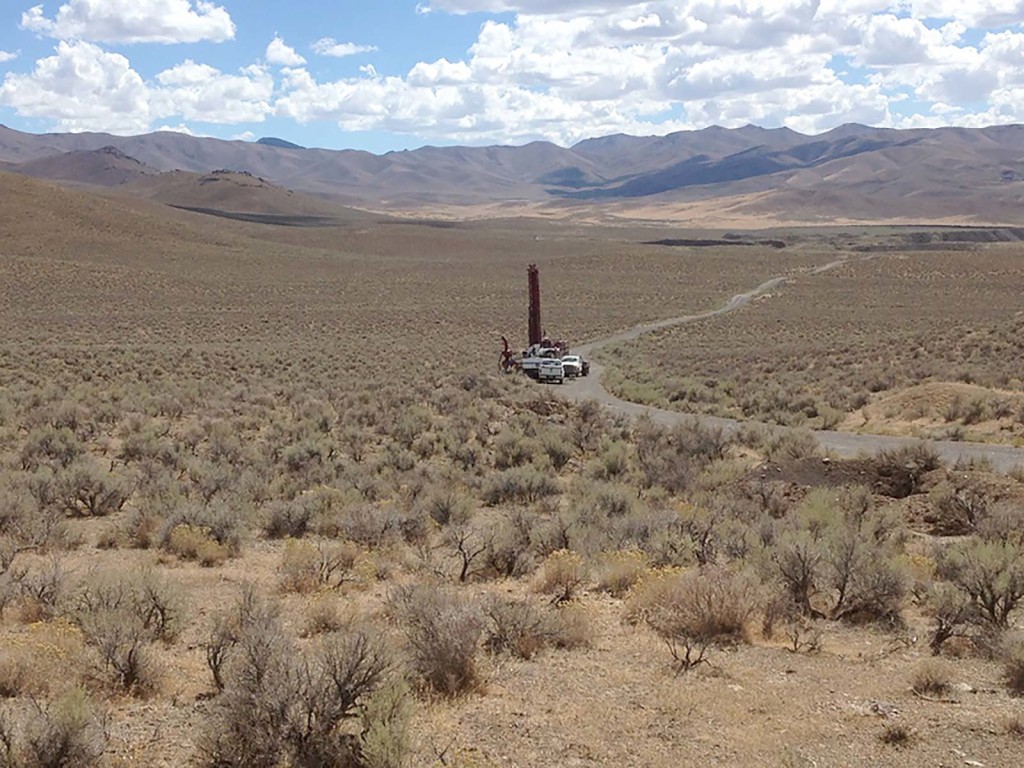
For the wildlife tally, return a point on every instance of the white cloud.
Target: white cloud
(133, 21)
(203, 93)
(180, 128)
(278, 52)
(566, 69)
(7, 56)
(84, 88)
(974, 13)
(328, 46)
(244, 136)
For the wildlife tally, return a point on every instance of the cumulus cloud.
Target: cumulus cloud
(328, 46)
(133, 21)
(278, 52)
(564, 70)
(7, 56)
(84, 88)
(200, 92)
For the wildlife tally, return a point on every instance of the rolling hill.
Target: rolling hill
(228, 191)
(853, 172)
(104, 167)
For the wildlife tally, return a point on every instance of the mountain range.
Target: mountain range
(853, 172)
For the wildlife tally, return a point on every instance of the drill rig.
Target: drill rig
(539, 347)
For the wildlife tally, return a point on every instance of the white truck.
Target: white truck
(574, 366)
(551, 370)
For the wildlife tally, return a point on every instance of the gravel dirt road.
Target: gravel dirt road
(845, 444)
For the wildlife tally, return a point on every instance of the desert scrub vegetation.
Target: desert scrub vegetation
(454, 529)
(282, 704)
(898, 356)
(694, 609)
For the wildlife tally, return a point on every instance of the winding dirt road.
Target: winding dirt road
(845, 444)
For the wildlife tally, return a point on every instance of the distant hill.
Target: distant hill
(271, 141)
(853, 172)
(105, 167)
(227, 190)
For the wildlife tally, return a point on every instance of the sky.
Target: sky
(385, 75)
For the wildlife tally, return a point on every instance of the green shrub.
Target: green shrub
(990, 573)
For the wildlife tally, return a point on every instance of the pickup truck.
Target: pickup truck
(552, 371)
(575, 366)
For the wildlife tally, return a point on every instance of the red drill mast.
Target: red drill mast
(535, 327)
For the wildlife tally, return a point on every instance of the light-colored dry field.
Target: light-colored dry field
(189, 406)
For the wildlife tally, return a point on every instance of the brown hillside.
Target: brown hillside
(105, 167)
(233, 192)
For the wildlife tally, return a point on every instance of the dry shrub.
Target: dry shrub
(447, 504)
(1011, 653)
(124, 645)
(618, 572)
(46, 658)
(84, 489)
(896, 735)
(517, 627)
(195, 542)
(989, 573)
(41, 590)
(208, 533)
(15, 673)
(931, 678)
(284, 706)
(523, 629)
(66, 733)
(509, 545)
(323, 615)
(800, 631)
(521, 484)
(288, 518)
(307, 566)
(443, 631)
(570, 627)
(694, 609)
(561, 575)
(154, 601)
(142, 530)
(790, 444)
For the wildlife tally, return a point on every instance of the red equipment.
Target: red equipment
(535, 327)
(508, 360)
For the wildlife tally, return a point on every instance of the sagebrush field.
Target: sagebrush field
(265, 500)
(911, 341)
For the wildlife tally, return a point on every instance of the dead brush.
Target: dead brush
(897, 735)
(618, 572)
(932, 680)
(694, 610)
(561, 575)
